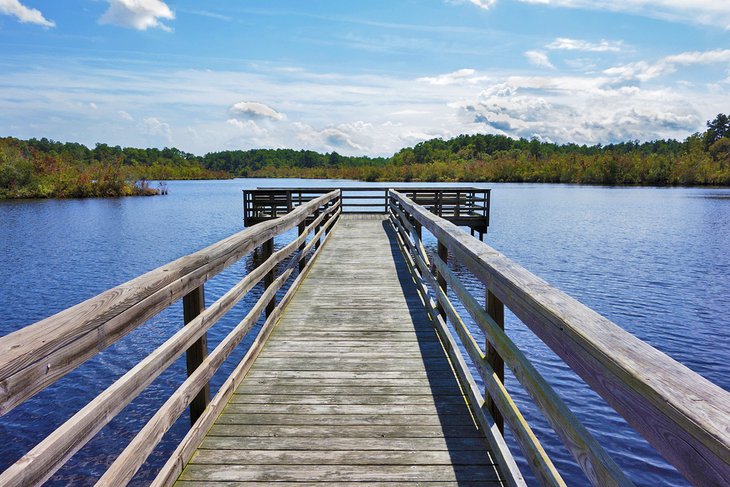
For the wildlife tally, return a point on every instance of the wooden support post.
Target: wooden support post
(495, 309)
(443, 255)
(303, 261)
(317, 229)
(419, 230)
(193, 305)
(268, 250)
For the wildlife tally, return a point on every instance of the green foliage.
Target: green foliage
(717, 129)
(44, 168)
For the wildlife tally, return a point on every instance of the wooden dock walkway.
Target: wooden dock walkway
(365, 369)
(353, 384)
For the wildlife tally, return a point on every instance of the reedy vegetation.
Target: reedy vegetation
(44, 168)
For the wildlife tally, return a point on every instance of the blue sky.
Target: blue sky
(359, 77)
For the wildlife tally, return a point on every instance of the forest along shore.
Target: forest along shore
(45, 168)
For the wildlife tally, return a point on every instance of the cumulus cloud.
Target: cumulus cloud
(567, 44)
(644, 71)
(256, 110)
(539, 58)
(138, 14)
(708, 12)
(583, 112)
(155, 127)
(24, 14)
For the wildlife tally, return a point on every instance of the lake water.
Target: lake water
(655, 261)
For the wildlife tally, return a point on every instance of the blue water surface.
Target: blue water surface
(655, 261)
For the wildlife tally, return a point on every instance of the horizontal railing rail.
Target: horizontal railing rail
(681, 414)
(463, 205)
(36, 356)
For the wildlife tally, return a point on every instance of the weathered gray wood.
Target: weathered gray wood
(335, 371)
(333, 399)
(534, 453)
(500, 449)
(684, 416)
(582, 445)
(267, 249)
(442, 419)
(137, 451)
(456, 445)
(495, 309)
(55, 449)
(193, 305)
(184, 451)
(351, 409)
(36, 356)
(349, 473)
(350, 457)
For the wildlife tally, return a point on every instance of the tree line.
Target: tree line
(43, 168)
(46, 168)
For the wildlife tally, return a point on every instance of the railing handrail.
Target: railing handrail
(54, 450)
(37, 355)
(683, 415)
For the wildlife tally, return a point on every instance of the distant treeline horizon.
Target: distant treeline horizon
(47, 168)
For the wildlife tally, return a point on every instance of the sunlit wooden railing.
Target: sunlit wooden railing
(681, 414)
(36, 356)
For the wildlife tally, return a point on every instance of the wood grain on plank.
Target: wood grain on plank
(353, 384)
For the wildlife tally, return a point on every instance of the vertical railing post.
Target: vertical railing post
(193, 305)
(443, 253)
(317, 229)
(495, 309)
(302, 258)
(267, 250)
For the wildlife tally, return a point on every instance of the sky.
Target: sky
(359, 77)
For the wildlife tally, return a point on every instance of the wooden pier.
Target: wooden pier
(363, 370)
(353, 384)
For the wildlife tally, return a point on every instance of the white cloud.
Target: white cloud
(256, 110)
(126, 116)
(707, 12)
(24, 14)
(461, 76)
(539, 58)
(484, 4)
(155, 127)
(579, 110)
(644, 71)
(137, 14)
(567, 44)
(350, 113)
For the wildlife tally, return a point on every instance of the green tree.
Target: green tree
(717, 129)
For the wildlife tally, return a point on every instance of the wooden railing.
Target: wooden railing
(36, 356)
(681, 414)
(461, 205)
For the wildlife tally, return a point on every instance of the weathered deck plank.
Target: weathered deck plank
(352, 386)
